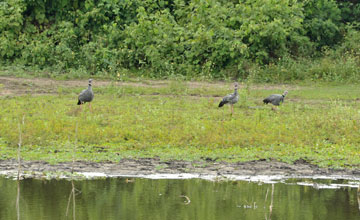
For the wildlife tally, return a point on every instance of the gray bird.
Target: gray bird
(230, 99)
(275, 99)
(87, 95)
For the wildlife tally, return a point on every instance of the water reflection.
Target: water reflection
(165, 199)
(271, 204)
(18, 199)
(358, 196)
(72, 195)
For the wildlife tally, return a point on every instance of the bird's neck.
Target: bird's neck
(89, 86)
(236, 91)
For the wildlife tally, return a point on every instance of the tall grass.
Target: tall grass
(336, 66)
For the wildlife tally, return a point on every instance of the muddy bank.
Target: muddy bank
(153, 166)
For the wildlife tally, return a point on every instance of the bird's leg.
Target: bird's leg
(90, 107)
(232, 109)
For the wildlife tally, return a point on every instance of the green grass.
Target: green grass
(318, 123)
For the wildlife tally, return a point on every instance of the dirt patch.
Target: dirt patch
(12, 86)
(149, 166)
(36, 86)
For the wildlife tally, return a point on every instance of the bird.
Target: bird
(230, 99)
(275, 99)
(87, 95)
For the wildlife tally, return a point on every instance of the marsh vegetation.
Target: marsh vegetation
(178, 120)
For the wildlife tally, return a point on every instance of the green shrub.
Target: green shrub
(189, 38)
(322, 22)
(11, 21)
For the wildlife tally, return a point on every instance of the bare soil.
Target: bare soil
(12, 86)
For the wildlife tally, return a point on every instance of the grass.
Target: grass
(318, 123)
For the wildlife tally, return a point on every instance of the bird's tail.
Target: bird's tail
(221, 104)
(79, 103)
(266, 101)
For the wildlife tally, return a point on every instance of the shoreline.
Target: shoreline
(154, 168)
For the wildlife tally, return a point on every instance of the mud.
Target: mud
(154, 166)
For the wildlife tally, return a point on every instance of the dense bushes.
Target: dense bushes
(193, 38)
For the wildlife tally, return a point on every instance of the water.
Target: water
(121, 198)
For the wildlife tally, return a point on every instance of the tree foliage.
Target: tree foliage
(174, 37)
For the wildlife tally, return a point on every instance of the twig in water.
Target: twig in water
(267, 191)
(272, 199)
(18, 200)
(68, 204)
(358, 196)
(187, 202)
(72, 193)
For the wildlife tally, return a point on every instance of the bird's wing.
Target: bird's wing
(227, 98)
(273, 97)
(84, 94)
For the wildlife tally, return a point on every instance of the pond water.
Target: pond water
(139, 198)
